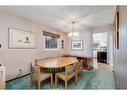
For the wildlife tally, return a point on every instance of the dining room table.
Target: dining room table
(57, 62)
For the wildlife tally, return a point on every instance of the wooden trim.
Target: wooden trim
(17, 77)
(116, 28)
(117, 18)
(50, 34)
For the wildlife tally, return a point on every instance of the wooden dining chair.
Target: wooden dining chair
(69, 73)
(80, 67)
(39, 75)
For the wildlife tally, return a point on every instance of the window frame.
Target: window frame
(51, 49)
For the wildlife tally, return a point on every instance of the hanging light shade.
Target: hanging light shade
(73, 33)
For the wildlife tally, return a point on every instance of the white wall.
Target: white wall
(15, 59)
(86, 36)
(110, 47)
(104, 28)
(120, 55)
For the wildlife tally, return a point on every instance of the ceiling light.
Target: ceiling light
(73, 33)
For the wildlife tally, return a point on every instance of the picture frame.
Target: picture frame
(77, 45)
(21, 39)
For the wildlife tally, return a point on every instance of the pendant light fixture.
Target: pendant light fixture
(73, 33)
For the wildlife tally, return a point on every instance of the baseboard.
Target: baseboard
(17, 78)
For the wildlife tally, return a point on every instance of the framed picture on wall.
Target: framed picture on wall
(77, 45)
(21, 39)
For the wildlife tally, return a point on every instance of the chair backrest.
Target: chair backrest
(33, 68)
(70, 69)
(37, 60)
(30, 67)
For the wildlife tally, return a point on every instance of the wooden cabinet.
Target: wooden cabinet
(2, 76)
(86, 59)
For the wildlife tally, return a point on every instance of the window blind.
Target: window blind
(50, 34)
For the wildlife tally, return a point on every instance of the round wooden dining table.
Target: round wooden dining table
(57, 62)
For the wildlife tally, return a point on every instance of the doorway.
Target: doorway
(102, 51)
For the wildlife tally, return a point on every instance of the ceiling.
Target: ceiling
(60, 17)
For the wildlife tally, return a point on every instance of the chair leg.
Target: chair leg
(65, 84)
(51, 81)
(55, 81)
(30, 81)
(48, 70)
(58, 82)
(76, 79)
(82, 74)
(38, 84)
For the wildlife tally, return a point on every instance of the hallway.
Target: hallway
(102, 66)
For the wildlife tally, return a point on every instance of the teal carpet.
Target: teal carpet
(93, 79)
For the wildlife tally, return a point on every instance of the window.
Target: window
(51, 43)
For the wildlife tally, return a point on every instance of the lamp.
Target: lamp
(73, 33)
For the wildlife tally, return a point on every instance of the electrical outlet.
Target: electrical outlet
(20, 72)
